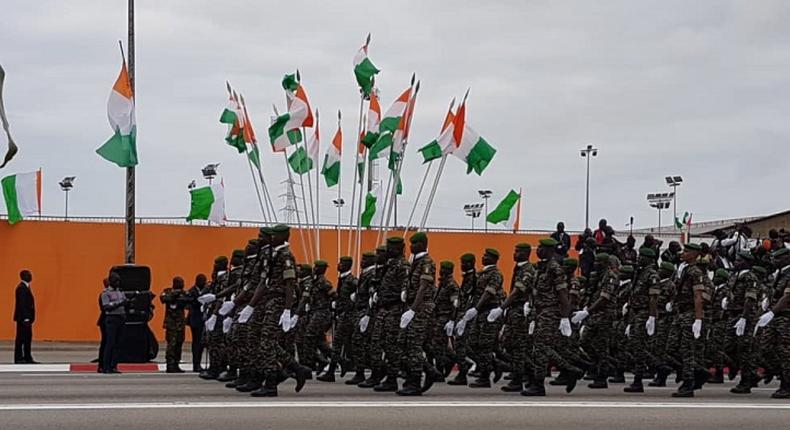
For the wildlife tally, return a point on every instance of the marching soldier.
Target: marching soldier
(467, 298)
(776, 325)
(343, 307)
(642, 313)
(741, 310)
(362, 299)
(446, 300)
(214, 339)
(321, 296)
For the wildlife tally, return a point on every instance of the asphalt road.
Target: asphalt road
(153, 401)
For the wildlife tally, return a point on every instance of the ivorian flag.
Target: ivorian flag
(508, 211)
(208, 203)
(22, 193)
(331, 170)
(121, 148)
(393, 116)
(374, 202)
(249, 137)
(229, 115)
(290, 83)
(300, 161)
(686, 221)
(434, 149)
(284, 130)
(235, 136)
(12, 148)
(364, 70)
(470, 147)
(374, 118)
(314, 146)
(361, 158)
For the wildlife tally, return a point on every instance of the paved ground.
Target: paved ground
(92, 401)
(72, 352)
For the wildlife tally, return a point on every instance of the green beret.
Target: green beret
(627, 269)
(666, 265)
(395, 240)
(320, 263)
(238, 253)
(524, 246)
(746, 256)
(549, 242)
(447, 265)
(570, 262)
(647, 252)
(693, 247)
(468, 258)
(346, 259)
(267, 231)
(602, 257)
(381, 248)
(781, 252)
(305, 266)
(221, 260)
(721, 273)
(492, 252)
(418, 237)
(280, 228)
(760, 270)
(368, 254)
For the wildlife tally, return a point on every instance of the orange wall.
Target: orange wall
(70, 259)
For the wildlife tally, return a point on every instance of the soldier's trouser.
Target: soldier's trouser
(483, 341)
(414, 337)
(714, 351)
(658, 342)
(390, 320)
(595, 341)
(775, 342)
(547, 345)
(438, 345)
(516, 340)
(638, 342)
(300, 331)
(461, 344)
(341, 342)
(175, 341)
(741, 348)
(319, 323)
(218, 354)
(360, 342)
(243, 345)
(691, 350)
(619, 344)
(197, 344)
(271, 352)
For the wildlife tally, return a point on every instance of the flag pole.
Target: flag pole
(247, 151)
(130, 172)
(358, 242)
(293, 193)
(317, 191)
(304, 198)
(356, 170)
(339, 187)
(432, 194)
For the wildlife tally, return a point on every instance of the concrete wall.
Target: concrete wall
(70, 259)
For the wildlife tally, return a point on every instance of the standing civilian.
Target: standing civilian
(113, 301)
(24, 316)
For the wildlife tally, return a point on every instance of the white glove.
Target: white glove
(334, 305)
(460, 327)
(650, 326)
(354, 297)
(375, 297)
(580, 316)
(740, 327)
(449, 327)
(245, 314)
(696, 328)
(470, 314)
(226, 323)
(526, 308)
(565, 327)
(724, 303)
(294, 320)
(495, 314)
(406, 318)
(765, 319)
(628, 330)
(765, 304)
(307, 307)
(403, 296)
(668, 307)
(211, 322)
(624, 311)
(363, 324)
(226, 308)
(206, 299)
(285, 320)
(581, 331)
(531, 327)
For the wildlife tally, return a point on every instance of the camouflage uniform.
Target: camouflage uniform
(775, 337)
(551, 280)
(344, 317)
(234, 338)
(175, 301)
(320, 318)
(445, 300)
(422, 271)
(483, 340)
(360, 342)
(467, 298)
(681, 342)
(305, 286)
(598, 327)
(743, 286)
(516, 339)
(664, 321)
(387, 324)
(645, 287)
(215, 340)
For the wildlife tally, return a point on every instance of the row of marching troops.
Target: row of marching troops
(268, 318)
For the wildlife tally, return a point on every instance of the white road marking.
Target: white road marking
(397, 405)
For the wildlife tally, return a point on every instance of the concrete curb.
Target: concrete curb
(80, 368)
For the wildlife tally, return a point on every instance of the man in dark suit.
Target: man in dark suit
(195, 319)
(24, 316)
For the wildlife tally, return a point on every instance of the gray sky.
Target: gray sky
(699, 89)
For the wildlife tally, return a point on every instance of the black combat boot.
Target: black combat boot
(411, 386)
(574, 376)
(661, 377)
(390, 385)
(300, 373)
(718, 377)
(432, 375)
(686, 389)
(373, 380)
(618, 377)
(482, 381)
(358, 377)
(636, 386)
(460, 378)
(515, 385)
(784, 390)
(561, 379)
(599, 382)
(448, 368)
(269, 388)
(535, 389)
(329, 375)
(241, 380)
(344, 366)
(209, 374)
(227, 375)
(254, 382)
(744, 385)
(701, 376)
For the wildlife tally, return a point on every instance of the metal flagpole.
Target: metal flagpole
(317, 193)
(431, 196)
(293, 193)
(257, 191)
(304, 198)
(358, 243)
(247, 153)
(339, 187)
(356, 170)
(130, 173)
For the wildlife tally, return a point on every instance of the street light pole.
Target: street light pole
(66, 185)
(588, 153)
(674, 182)
(485, 194)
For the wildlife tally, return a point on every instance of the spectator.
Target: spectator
(100, 323)
(24, 316)
(113, 301)
(563, 239)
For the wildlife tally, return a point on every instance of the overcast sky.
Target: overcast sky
(699, 89)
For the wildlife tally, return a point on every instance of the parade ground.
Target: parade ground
(58, 400)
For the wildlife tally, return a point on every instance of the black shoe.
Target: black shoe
(515, 385)
(481, 382)
(226, 376)
(560, 380)
(390, 385)
(475, 373)
(460, 378)
(269, 388)
(31, 361)
(744, 387)
(535, 390)
(701, 376)
(208, 375)
(115, 372)
(411, 387)
(358, 378)
(598, 385)
(328, 376)
(197, 369)
(685, 390)
(373, 380)
(783, 392)
(618, 377)
(432, 375)
(252, 385)
(301, 374)
(343, 367)
(447, 369)
(634, 388)
(174, 370)
(573, 379)
(661, 377)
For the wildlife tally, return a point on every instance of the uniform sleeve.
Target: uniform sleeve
(654, 285)
(428, 272)
(558, 276)
(697, 280)
(493, 283)
(786, 287)
(607, 290)
(289, 271)
(752, 288)
(524, 280)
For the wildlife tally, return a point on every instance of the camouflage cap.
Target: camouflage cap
(647, 252)
(570, 262)
(549, 242)
(667, 266)
(627, 269)
(221, 260)
(602, 257)
(721, 273)
(447, 265)
(781, 252)
(395, 240)
(418, 237)
(693, 247)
